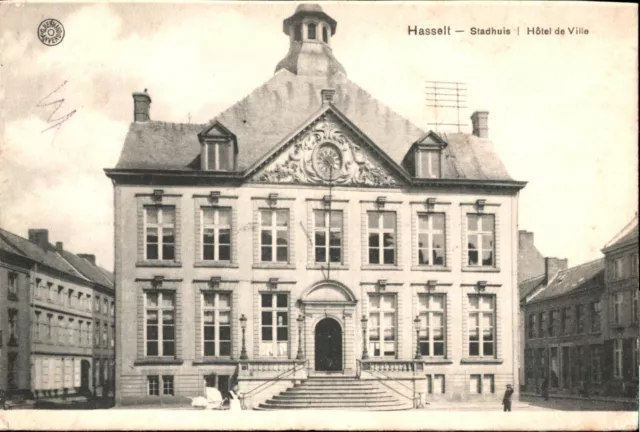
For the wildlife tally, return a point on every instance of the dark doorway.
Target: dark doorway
(328, 345)
(85, 373)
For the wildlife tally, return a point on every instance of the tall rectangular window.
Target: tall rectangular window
(617, 308)
(70, 302)
(431, 244)
(50, 327)
(274, 325)
(618, 268)
(634, 264)
(167, 385)
(13, 285)
(382, 237)
(617, 358)
(435, 384)
(564, 320)
(274, 235)
(13, 326)
(216, 234)
(481, 325)
(596, 371)
(580, 318)
(596, 312)
(70, 331)
(160, 227)
(532, 326)
(542, 324)
(481, 384)
(160, 324)
(153, 385)
(382, 325)
(432, 324)
(428, 164)
(216, 314)
(327, 239)
(480, 239)
(634, 305)
(553, 322)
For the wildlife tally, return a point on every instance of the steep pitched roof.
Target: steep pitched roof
(628, 233)
(267, 115)
(528, 286)
(582, 277)
(65, 262)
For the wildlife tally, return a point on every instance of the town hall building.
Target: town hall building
(308, 232)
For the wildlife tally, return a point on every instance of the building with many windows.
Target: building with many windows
(621, 339)
(308, 230)
(56, 319)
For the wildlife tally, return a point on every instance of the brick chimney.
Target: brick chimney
(480, 123)
(552, 266)
(39, 237)
(59, 247)
(141, 102)
(89, 257)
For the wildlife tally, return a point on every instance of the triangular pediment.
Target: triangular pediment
(431, 139)
(329, 150)
(216, 131)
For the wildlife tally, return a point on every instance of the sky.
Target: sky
(562, 108)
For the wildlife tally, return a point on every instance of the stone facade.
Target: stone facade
(305, 253)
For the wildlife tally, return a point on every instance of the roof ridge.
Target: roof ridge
(531, 278)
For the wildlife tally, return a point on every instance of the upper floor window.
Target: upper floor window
(70, 302)
(481, 325)
(105, 306)
(634, 305)
(382, 325)
(274, 325)
(618, 268)
(617, 308)
(325, 35)
(431, 245)
(219, 156)
(564, 318)
(542, 324)
(312, 30)
(327, 236)
(634, 264)
(297, 32)
(480, 239)
(428, 164)
(13, 285)
(13, 326)
(274, 235)
(216, 234)
(532, 326)
(96, 305)
(580, 318)
(160, 324)
(216, 311)
(382, 237)
(595, 316)
(553, 321)
(432, 324)
(160, 232)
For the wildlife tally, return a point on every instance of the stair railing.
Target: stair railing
(269, 382)
(364, 366)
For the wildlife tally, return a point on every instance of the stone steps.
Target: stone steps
(337, 393)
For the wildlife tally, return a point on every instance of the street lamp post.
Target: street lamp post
(416, 323)
(243, 325)
(365, 352)
(300, 354)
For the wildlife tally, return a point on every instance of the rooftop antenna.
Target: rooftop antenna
(446, 94)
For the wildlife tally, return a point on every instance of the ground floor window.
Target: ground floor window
(167, 385)
(153, 385)
(596, 356)
(554, 368)
(435, 384)
(221, 382)
(617, 358)
(566, 367)
(12, 371)
(481, 384)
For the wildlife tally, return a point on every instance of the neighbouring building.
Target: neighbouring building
(621, 302)
(564, 331)
(53, 338)
(309, 230)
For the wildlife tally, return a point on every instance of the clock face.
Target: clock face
(327, 161)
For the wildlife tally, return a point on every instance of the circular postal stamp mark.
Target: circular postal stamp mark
(51, 32)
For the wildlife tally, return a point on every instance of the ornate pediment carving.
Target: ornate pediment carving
(326, 153)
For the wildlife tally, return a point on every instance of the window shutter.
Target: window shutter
(627, 359)
(607, 360)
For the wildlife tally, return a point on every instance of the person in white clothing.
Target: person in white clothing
(234, 401)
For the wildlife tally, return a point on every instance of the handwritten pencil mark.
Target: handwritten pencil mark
(58, 104)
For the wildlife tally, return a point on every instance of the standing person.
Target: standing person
(545, 388)
(506, 400)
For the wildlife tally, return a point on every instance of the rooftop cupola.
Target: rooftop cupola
(310, 31)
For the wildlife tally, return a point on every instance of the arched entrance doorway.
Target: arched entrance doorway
(328, 345)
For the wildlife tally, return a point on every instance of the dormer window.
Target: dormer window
(325, 35)
(218, 156)
(428, 164)
(311, 30)
(219, 148)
